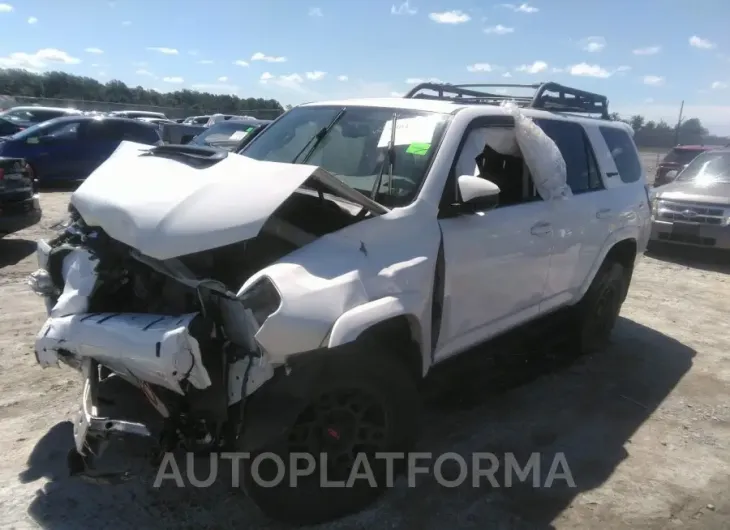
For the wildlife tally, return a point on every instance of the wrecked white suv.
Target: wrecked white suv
(290, 298)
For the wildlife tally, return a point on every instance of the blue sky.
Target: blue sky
(645, 55)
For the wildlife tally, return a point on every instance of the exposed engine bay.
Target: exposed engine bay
(173, 331)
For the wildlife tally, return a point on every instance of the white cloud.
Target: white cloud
(557, 70)
(32, 20)
(205, 61)
(450, 17)
(96, 51)
(521, 8)
(534, 68)
(593, 44)
(5, 8)
(240, 63)
(718, 85)
(699, 42)
(622, 69)
(315, 12)
(38, 60)
(506, 74)
(127, 23)
(316, 75)
(258, 56)
(418, 80)
(222, 79)
(291, 81)
(403, 9)
(174, 79)
(649, 50)
(342, 78)
(163, 50)
(194, 53)
(499, 29)
(396, 95)
(588, 70)
(142, 71)
(653, 80)
(479, 67)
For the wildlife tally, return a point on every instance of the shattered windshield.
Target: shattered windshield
(356, 147)
(708, 168)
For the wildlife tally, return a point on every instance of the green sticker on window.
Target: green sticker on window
(249, 129)
(418, 148)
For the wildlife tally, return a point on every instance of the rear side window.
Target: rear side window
(623, 151)
(580, 161)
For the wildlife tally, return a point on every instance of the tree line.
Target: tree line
(648, 133)
(60, 85)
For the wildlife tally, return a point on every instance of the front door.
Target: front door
(496, 262)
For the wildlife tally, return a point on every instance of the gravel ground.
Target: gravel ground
(645, 426)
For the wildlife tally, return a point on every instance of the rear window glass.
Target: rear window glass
(707, 168)
(623, 151)
(681, 156)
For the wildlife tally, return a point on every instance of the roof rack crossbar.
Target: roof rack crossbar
(566, 99)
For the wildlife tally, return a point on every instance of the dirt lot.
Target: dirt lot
(645, 426)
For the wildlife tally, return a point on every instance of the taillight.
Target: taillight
(2, 173)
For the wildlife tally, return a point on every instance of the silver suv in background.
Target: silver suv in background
(694, 209)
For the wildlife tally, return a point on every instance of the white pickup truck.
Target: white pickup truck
(290, 298)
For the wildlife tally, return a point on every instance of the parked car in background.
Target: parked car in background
(137, 114)
(71, 148)
(676, 160)
(694, 209)
(230, 135)
(195, 120)
(180, 133)
(19, 204)
(26, 116)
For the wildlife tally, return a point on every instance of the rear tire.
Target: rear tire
(596, 314)
(364, 403)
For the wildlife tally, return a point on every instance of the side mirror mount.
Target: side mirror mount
(477, 193)
(671, 175)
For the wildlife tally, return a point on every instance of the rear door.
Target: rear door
(579, 229)
(54, 153)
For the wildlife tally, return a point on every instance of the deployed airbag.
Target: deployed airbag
(541, 155)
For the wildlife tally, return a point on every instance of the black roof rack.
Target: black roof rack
(547, 96)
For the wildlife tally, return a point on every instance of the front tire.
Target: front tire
(596, 314)
(363, 403)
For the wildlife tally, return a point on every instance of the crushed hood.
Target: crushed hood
(166, 208)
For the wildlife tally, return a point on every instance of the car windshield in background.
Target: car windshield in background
(34, 116)
(50, 127)
(355, 149)
(681, 156)
(708, 168)
(226, 135)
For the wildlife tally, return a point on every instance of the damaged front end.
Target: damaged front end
(152, 329)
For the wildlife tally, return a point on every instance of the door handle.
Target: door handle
(541, 229)
(604, 213)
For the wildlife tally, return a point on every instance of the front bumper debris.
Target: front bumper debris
(156, 349)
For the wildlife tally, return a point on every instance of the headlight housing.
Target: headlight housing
(262, 299)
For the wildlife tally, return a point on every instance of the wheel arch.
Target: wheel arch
(391, 321)
(621, 248)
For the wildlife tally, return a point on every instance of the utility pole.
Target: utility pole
(679, 123)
